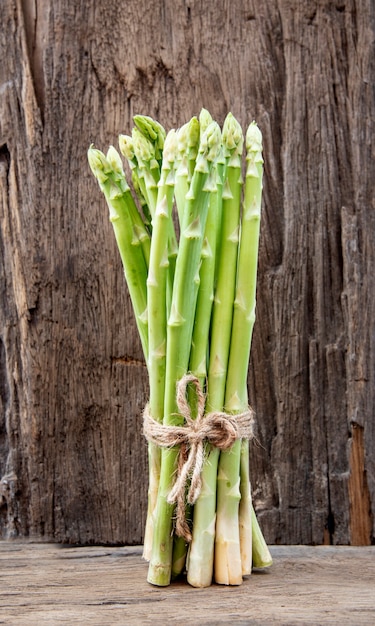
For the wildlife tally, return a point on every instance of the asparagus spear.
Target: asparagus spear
(157, 320)
(236, 397)
(179, 333)
(157, 281)
(188, 144)
(201, 558)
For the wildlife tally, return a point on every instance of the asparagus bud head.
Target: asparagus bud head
(117, 174)
(114, 160)
(170, 149)
(209, 147)
(205, 119)
(126, 147)
(98, 164)
(233, 140)
(193, 137)
(253, 138)
(150, 128)
(143, 148)
(254, 150)
(182, 142)
(153, 131)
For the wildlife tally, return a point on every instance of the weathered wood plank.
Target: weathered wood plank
(72, 467)
(45, 584)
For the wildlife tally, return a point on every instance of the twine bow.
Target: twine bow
(219, 429)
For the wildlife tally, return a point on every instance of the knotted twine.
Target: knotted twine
(217, 428)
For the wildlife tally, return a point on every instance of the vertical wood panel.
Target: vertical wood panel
(72, 379)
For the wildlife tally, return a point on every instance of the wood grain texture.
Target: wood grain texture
(72, 379)
(43, 584)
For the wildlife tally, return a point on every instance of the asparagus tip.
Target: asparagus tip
(232, 135)
(98, 163)
(253, 138)
(126, 146)
(211, 142)
(205, 119)
(143, 148)
(114, 160)
(151, 130)
(170, 147)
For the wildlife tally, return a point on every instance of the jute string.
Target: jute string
(217, 428)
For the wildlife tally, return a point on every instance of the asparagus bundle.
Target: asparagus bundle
(188, 234)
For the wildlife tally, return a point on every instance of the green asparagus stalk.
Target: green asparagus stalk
(189, 143)
(157, 320)
(244, 306)
(179, 334)
(261, 554)
(127, 229)
(245, 511)
(226, 557)
(200, 340)
(227, 260)
(201, 557)
(236, 399)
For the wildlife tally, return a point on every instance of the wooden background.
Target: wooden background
(73, 382)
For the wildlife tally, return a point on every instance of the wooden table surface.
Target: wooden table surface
(48, 584)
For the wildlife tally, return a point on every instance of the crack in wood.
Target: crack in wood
(125, 602)
(31, 24)
(360, 514)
